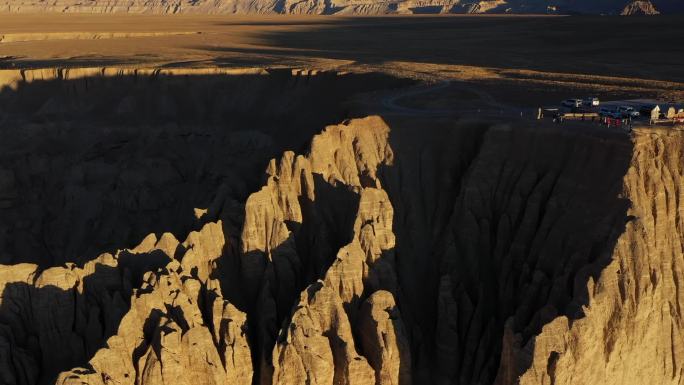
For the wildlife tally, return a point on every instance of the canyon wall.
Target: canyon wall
(630, 327)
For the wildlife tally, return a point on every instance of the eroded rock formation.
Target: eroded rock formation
(475, 254)
(179, 329)
(640, 8)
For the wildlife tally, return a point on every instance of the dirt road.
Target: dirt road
(391, 103)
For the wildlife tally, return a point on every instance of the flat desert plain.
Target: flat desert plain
(519, 47)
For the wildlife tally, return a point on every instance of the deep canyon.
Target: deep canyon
(263, 227)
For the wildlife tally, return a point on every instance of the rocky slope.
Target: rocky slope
(478, 253)
(640, 8)
(358, 7)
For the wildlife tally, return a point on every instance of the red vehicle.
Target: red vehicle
(613, 122)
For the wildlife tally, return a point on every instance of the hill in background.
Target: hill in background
(328, 7)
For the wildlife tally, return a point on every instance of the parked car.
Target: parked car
(592, 102)
(610, 112)
(572, 103)
(628, 112)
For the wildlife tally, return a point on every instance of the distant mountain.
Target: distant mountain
(359, 7)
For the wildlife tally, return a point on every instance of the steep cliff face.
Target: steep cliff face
(391, 252)
(630, 329)
(519, 245)
(514, 222)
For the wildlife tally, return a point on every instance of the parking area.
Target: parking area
(616, 113)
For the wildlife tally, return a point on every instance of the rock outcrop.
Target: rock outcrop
(385, 340)
(341, 169)
(179, 329)
(640, 8)
(58, 318)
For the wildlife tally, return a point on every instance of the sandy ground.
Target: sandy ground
(608, 56)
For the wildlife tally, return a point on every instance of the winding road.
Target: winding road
(493, 107)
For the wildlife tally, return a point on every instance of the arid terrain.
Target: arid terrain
(346, 7)
(228, 200)
(638, 55)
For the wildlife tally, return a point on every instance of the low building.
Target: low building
(671, 112)
(655, 113)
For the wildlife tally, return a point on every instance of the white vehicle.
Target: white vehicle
(572, 103)
(610, 112)
(629, 112)
(592, 102)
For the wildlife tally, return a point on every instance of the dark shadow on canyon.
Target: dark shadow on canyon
(15, 62)
(95, 164)
(493, 224)
(554, 44)
(465, 262)
(50, 329)
(269, 287)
